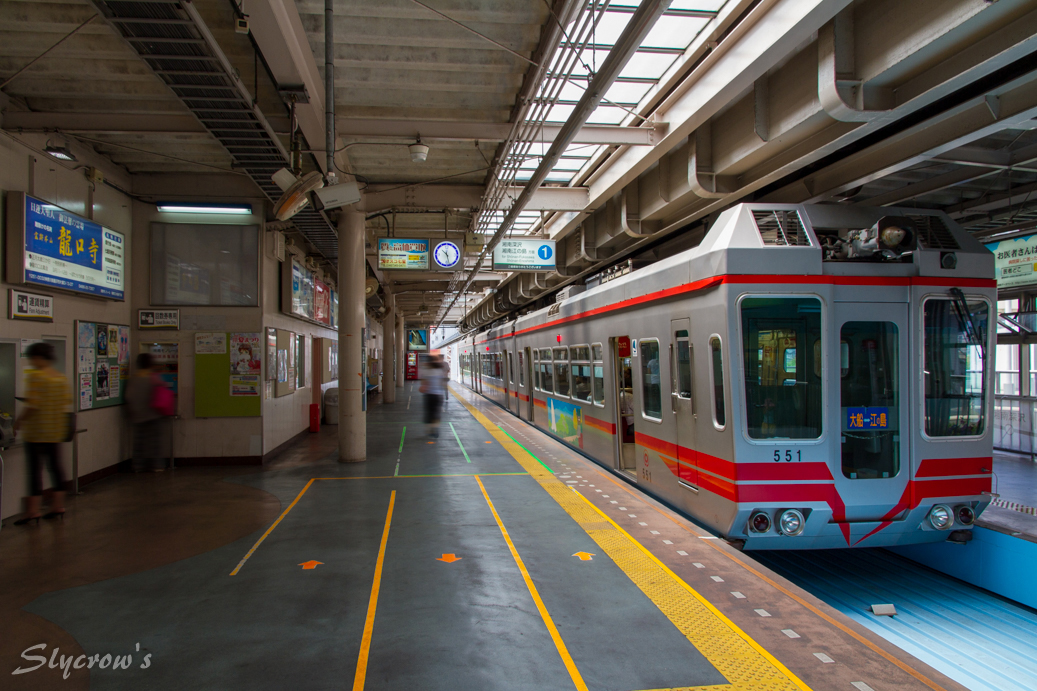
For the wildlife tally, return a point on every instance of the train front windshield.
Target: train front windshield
(955, 366)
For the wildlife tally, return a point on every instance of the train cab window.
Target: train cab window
(581, 370)
(682, 365)
(783, 396)
(870, 401)
(652, 399)
(561, 371)
(955, 352)
(521, 371)
(546, 377)
(599, 376)
(716, 372)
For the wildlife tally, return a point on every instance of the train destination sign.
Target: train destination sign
(402, 254)
(524, 254)
(867, 418)
(59, 249)
(1014, 261)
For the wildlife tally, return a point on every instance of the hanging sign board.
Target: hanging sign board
(402, 254)
(417, 339)
(1014, 260)
(158, 319)
(31, 306)
(49, 246)
(524, 254)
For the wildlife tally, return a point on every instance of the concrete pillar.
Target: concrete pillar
(401, 349)
(389, 366)
(352, 420)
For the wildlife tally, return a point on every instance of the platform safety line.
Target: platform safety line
(271, 528)
(365, 643)
(400, 477)
(509, 444)
(743, 662)
(402, 437)
(459, 442)
(563, 651)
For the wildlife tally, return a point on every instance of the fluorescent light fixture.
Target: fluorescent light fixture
(60, 152)
(203, 208)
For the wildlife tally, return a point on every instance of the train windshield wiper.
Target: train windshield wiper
(961, 310)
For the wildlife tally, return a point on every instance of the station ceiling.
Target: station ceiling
(928, 104)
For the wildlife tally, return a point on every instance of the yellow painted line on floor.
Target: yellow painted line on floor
(563, 651)
(271, 528)
(372, 605)
(398, 477)
(743, 662)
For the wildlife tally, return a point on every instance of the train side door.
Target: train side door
(623, 395)
(870, 396)
(681, 404)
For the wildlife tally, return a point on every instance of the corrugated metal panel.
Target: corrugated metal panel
(974, 637)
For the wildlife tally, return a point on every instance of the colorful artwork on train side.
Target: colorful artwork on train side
(566, 421)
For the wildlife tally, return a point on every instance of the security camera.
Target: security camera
(241, 25)
(337, 196)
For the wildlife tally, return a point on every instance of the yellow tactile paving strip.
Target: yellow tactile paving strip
(742, 661)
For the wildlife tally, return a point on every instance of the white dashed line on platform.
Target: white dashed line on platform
(718, 579)
(738, 595)
(822, 657)
(667, 542)
(653, 532)
(698, 565)
(682, 553)
(762, 612)
(642, 524)
(861, 686)
(790, 633)
(631, 515)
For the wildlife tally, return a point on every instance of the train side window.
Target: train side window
(599, 376)
(716, 376)
(546, 376)
(682, 366)
(511, 367)
(561, 358)
(536, 370)
(581, 369)
(651, 399)
(782, 402)
(521, 371)
(955, 351)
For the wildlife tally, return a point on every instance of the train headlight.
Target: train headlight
(940, 517)
(760, 522)
(966, 516)
(791, 522)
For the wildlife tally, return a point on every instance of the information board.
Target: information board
(1014, 260)
(227, 374)
(402, 254)
(417, 339)
(524, 254)
(52, 247)
(102, 364)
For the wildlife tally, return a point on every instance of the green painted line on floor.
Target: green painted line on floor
(397, 473)
(525, 449)
(459, 442)
(402, 437)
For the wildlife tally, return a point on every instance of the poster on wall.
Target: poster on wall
(124, 345)
(302, 290)
(86, 391)
(271, 354)
(321, 302)
(86, 360)
(244, 385)
(86, 335)
(166, 357)
(210, 343)
(417, 339)
(103, 383)
(113, 341)
(102, 341)
(63, 250)
(114, 383)
(245, 354)
(282, 366)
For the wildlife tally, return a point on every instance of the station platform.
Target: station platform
(491, 557)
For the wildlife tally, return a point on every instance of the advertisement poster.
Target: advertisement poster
(113, 341)
(103, 384)
(402, 254)
(67, 251)
(124, 345)
(114, 382)
(86, 392)
(86, 360)
(282, 366)
(244, 385)
(566, 421)
(417, 339)
(271, 354)
(321, 302)
(86, 335)
(302, 290)
(210, 343)
(167, 361)
(102, 341)
(1014, 261)
(245, 354)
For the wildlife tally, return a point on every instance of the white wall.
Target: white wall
(25, 168)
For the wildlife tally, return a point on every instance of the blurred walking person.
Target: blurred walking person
(45, 423)
(433, 385)
(148, 402)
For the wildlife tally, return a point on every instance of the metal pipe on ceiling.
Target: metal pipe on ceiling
(637, 28)
(329, 88)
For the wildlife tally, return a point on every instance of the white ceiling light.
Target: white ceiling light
(62, 152)
(203, 208)
(418, 151)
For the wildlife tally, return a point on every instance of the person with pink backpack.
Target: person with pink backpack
(148, 402)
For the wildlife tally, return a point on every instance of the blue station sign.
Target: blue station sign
(63, 250)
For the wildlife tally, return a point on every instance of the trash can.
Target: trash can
(331, 406)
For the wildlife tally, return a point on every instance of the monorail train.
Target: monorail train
(808, 376)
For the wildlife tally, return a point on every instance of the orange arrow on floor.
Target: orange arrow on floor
(584, 556)
(310, 565)
(449, 558)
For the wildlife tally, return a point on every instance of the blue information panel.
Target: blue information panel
(867, 418)
(63, 250)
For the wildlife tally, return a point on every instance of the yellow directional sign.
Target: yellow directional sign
(584, 556)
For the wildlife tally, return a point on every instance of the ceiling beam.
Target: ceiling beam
(359, 128)
(110, 123)
(385, 197)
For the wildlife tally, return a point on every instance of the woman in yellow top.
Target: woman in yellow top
(44, 425)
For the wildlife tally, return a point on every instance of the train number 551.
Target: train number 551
(788, 455)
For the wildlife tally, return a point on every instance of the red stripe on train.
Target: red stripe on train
(945, 467)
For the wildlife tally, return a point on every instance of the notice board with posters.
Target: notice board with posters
(102, 364)
(228, 374)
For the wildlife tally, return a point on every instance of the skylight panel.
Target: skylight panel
(648, 65)
(559, 112)
(560, 176)
(572, 164)
(606, 115)
(628, 92)
(674, 32)
(609, 27)
(707, 5)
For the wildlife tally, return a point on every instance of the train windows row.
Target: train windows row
(576, 372)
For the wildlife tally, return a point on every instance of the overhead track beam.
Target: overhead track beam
(360, 128)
